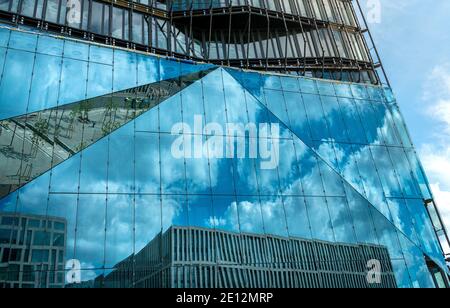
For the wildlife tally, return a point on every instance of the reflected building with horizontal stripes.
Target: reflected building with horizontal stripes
(206, 258)
(115, 118)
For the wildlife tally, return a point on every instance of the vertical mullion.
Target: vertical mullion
(267, 39)
(248, 39)
(227, 49)
(88, 26)
(44, 8)
(286, 44)
(190, 46)
(210, 31)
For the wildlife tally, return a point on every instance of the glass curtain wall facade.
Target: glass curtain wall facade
(319, 38)
(87, 139)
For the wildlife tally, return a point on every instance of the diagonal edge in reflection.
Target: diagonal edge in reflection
(32, 144)
(318, 156)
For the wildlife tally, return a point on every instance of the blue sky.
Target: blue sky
(414, 42)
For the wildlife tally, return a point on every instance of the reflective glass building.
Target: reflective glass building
(133, 164)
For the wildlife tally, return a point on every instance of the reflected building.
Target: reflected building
(32, 251)
(118, 123)
(185, 257)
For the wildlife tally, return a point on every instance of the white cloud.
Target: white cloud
(437, 167)
(442, 197)
(438, 83)
(436, 161)
(215, 222)
(436, 156)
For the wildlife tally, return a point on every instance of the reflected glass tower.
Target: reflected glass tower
(32, 251)
(206, 144)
